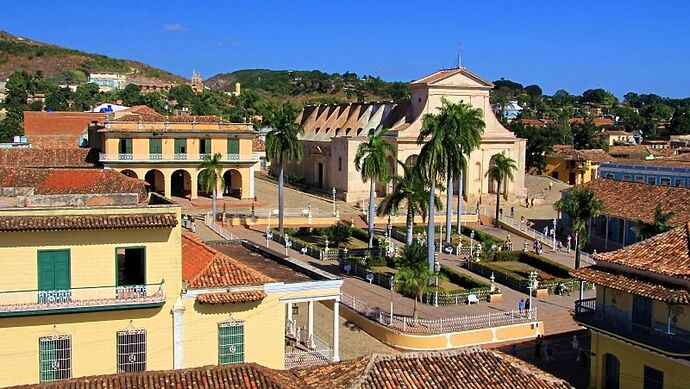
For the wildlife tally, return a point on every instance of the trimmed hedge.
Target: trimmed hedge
(534, 260)
(462, 279)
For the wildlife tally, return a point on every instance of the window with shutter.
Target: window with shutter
(231, 342)
(131, 350)
(55, 357)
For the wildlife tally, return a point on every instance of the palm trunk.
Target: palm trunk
(370, 220)
(498, 201)
(213, 203)
(430, 229)
(449, 208)
(281, 189)
(409, 222)
(414, 308)
(577, 251)
(460, 203)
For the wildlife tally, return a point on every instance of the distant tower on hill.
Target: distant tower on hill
(197, 83)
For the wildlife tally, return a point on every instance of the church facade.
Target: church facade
(332, 133)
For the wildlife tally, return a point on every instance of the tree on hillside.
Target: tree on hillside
(57, 99)
(584, 136)
(680, 124)
(131, 95)
(282, 144)
(657, 226)
(501, 170)
(371, 162)
(581, 206)
(599, 96)
(85, 97)
(540, 141)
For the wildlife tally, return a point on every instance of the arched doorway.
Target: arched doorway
(411, 160)
(201, 185)
(233, 183)
(180, 183)
(156, 181)
(129, 173)
(612, 369)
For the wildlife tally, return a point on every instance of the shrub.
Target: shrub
(376, 261)
(339, 234)
(463, 280)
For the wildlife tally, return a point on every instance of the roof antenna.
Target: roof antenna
(458, 64)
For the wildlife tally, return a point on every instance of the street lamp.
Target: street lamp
(532, 281)
(392, 284)
(288, 244)
(274, 212)
(478, 251)
(327, 244)
(437, 269)
(390, 226)
(440, 239)
(472, 243)
(553, 233)
(334, 192)
(269, 235)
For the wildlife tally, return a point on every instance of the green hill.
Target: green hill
(63, 64)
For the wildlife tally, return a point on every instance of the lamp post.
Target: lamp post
(334, 210)
(327, 244)
(392, 284)
(477, 252)
(553, 234)
(390, 226)
(288, 244)
(440, 239)
(437, 269)
(472, 243)
(269, 236)
(532, 280)
(274, 212)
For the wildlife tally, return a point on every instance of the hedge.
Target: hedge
(534, 260)
(462, 279)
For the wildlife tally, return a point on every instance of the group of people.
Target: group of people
(529, 202)
(507, 245)
(188, 222)
(538, 247)
(523, 306)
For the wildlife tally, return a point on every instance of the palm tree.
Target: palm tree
(339, 234)
(470, 128)
(659, 225)
(502, 169)
(580, 205)
(411, 190)
(282, 143)
(432, 163)
(211, 175)
(414, 276)
(370, 161)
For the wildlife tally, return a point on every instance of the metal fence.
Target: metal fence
(210, 223)
(247, 212)
(443, 298)
(438, 326)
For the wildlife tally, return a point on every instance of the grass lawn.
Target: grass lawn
(523, 269)
(443, 283)
(320, 241)
(384, 270)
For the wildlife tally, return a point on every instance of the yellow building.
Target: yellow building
(167, 150)
(611, 137)
(575, 167)
(101, 280)
(640, 318)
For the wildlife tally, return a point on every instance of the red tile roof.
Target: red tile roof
(59, 123)
(445, 73)
(628, 283)
(63, 158)
(231, 297)
(72, 181)
(569, 153)
(472, 367)
(667, 253)
(204, 267)
(464, 368)
(258, 145)
(86, 222)
(637, 200)
(533, 122)
(599, 122)
(639, 151)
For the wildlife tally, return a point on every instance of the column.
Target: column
(289, 311)
(194, 178)
(310, 324)
(336, 331)
(168, 185)
(219, 188)
(178, 338)
(251, 182)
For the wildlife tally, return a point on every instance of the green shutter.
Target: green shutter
(207, 146)
(155, 146)
(181, 146)
(53, 270)
(47, 356)
(233, 146)
(231, 342)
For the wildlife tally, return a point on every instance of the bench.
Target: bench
(472, 299)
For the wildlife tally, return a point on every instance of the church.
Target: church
(332, 133)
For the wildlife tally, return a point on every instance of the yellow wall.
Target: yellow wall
(560, 166)
(632, 361)
(140, 145)
(92, 264)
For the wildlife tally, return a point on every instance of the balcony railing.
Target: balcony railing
(103, 157)
(655, 336)
(96, 298)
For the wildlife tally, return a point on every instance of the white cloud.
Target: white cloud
(175, 27)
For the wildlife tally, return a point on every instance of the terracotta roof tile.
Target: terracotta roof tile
(599, 122)
(72, 181)
(533, 122)
(231, 297)
(637, 201)
(59, 123)
(472, 367)
(639, 152)
(63, 158)
(258, 145)
(231, 376)
(652, 289)
(667, 253)
(86, 222)
(567, 152)
(204, 267)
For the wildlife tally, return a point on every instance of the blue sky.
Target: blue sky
(622, 46)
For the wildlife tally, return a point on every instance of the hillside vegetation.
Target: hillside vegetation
(67, 65)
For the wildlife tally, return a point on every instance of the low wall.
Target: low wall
(418, 342)
(400, 220)
(288, 221)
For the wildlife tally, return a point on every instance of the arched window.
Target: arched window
(612, 368)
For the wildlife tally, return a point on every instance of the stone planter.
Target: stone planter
(494, 298)
(541, 292)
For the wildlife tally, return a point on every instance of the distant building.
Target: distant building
(108, 108)
(197, 83)
(533, 122)
(108, 81)
(575, 167)
(640, 152)
(598, 121)
(639, 321)
(671, 171)
(616, 137)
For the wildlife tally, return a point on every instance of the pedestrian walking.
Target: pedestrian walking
(569, 238)
(550, 185)
(559, 246)
(537, 346)
(513, 350)
(193, 226)
(500, 213)
(532, 202)
(185, 219)
(521, 306)
(526, 202)
(512, 212)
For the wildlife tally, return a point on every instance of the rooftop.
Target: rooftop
(599, 122)
(639, 152)
(637, 201)
(446, 73)
(87, 222)
(473, 367)
(569, 153)
(58, 129)
(48, 158)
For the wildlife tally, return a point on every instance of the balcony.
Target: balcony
(656, 337)
(85, 299)
(138, 158)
